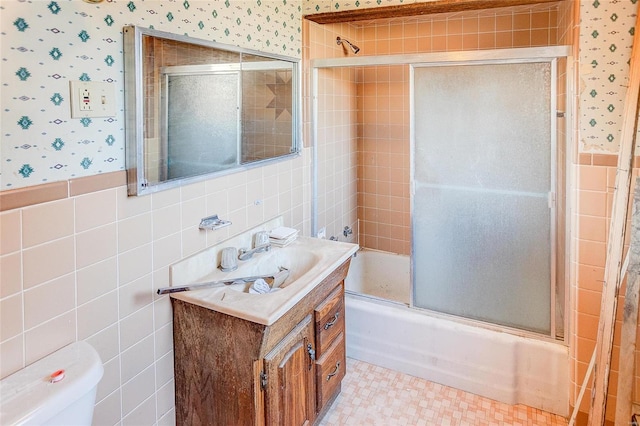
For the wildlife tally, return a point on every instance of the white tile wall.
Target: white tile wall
(108, 410)
(135, 295)
(111, 379)
(11, 317)
(96, 280)
(134, 231)
(107, 343)
(97, 314)
(137, 390)
(12, 355)
(96, 245)
(48, 261)
(49, 336)
(95, 209)
(165, 397)
(92, 276)
(134, 264)
(47, 222)
(11, 276)
(49, 300)
(137, 358)
(143, 414)
(135, 327)
(10, 227)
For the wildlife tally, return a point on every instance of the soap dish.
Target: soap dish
(213, 223)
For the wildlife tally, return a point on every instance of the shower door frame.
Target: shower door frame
(516, 55)
(551, 195)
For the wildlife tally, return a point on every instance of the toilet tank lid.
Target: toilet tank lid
(29, 396)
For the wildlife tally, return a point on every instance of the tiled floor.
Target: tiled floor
(374, 395)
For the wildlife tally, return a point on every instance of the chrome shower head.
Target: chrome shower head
(355, 49)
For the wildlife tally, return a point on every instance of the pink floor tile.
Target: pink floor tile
(373, 395)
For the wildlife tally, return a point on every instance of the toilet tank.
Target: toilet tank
(32, 397)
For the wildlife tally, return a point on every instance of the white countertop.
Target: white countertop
(309, 260)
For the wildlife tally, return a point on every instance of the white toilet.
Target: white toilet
(59, 389)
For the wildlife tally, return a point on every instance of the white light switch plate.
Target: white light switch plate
(92, 99)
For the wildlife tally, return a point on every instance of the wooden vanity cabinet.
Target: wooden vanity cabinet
(290, 385)
(233, 371)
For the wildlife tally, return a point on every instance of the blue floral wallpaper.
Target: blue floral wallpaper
(45, 44)
(606, 37)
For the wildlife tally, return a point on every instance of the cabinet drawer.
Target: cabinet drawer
(330, 370)
(329, 318)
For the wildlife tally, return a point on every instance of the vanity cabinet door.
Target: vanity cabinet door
(290, 391)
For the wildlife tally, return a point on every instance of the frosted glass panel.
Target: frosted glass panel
(484, 126)
(481, 219)
(202, 131)
(483, 256)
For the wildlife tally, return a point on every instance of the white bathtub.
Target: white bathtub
(494, 364)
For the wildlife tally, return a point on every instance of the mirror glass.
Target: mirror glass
(196, 109)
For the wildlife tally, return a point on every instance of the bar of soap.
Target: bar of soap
(282, 233)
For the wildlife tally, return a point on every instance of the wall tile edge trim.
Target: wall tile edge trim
(608, 160)
(88, 184)
(37, 194)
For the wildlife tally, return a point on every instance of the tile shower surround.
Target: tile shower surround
(381, 116)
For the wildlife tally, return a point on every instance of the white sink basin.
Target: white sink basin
(309, 261)
(296, 262)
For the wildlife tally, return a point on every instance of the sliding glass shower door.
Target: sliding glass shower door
(482, 206)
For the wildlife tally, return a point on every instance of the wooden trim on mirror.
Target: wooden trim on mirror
(416, 9)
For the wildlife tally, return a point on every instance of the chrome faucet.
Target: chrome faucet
(260, 244)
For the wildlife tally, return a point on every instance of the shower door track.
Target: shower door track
(466, 56)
